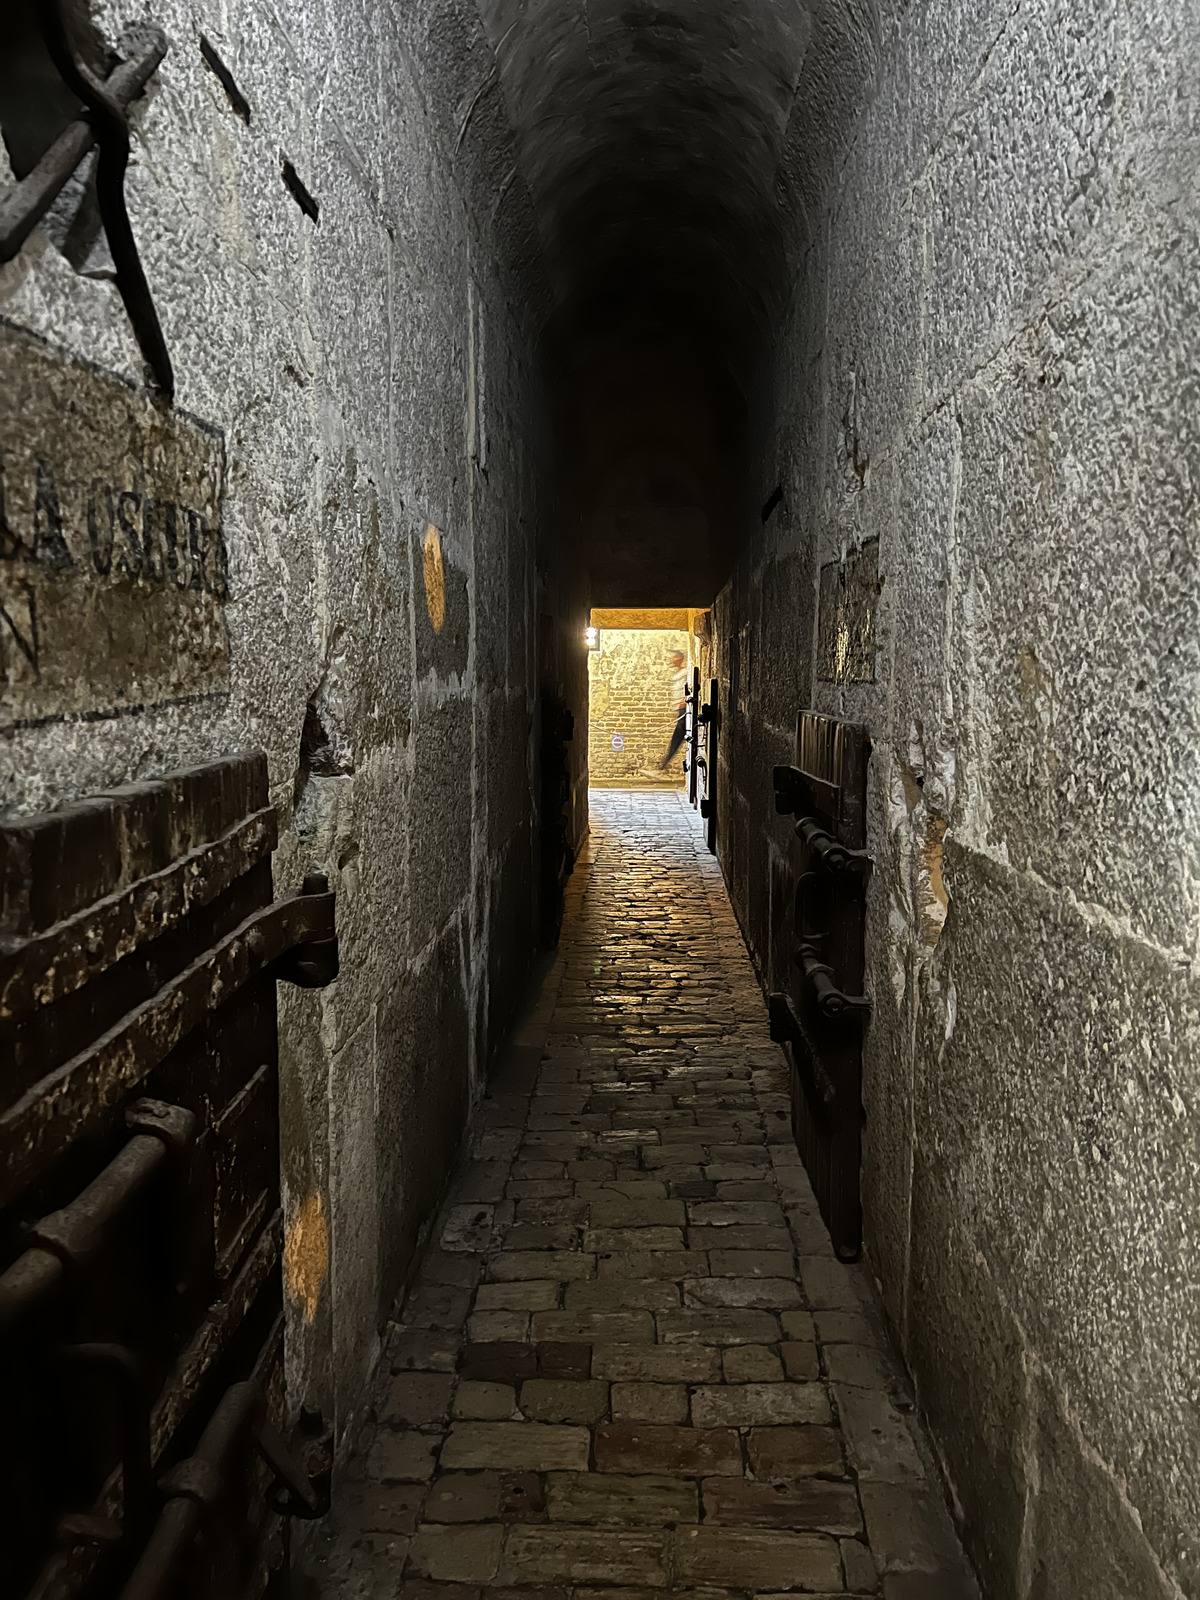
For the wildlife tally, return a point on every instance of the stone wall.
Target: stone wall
(629, 688)
(986, 550)
(364, 609)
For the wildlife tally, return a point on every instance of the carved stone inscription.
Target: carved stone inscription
(846, 628)
(113, 570)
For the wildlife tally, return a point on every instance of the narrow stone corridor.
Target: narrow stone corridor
(630, 1364)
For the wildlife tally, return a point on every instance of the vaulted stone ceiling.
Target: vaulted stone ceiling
(649, 169)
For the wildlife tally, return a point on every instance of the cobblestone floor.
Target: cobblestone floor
(631, 1366)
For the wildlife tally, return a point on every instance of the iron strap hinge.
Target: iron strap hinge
(293, 938)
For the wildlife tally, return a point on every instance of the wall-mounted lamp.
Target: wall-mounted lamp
(593, 638)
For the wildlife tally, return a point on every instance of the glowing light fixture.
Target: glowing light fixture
(593, 638)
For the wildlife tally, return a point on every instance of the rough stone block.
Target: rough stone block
(401, 1457)
(757, 1559)
(718, 1327)
(610, 1497)
(527, 1446)
(800, 1360)
(559, 1400)
(417, 1399)
(656, 1363)
(752, 1363)
(879, 1439)
(463, 1497)
(645, 1447)
(794, 1452)
(561, 1266)
(485, 1402)
(644, 1294)
(772, 1294)
(743, 1405)
(572, 1555)
(810, 1503)
(456, 1554)
(503, 1362)
(611, 1327)
(534, 1294)
(649, 1402)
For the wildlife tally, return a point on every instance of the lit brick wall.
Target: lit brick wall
(630, 689)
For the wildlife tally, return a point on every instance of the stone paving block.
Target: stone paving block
(859, 1572)
(772, 1294)
(909, 1529)
(677, 1363)
(467, 1228)
(879, 1440)
(758, 1559)
(666, 1264)
(424, 1589)
(862, 1365)
(645, 1294)
(794, 1452)
(417, 1398)
(522, 1497)
(744, 1405)
(735, 1213)
(956, 1585)
(437, 1308)
(564, 1554)
(798, 1325)
(496, 1327)
(456, 1554)
(371, 1507)
(401, 1457)
(717, 1327)
(526, 1446)
(800, 1360)
(608, 1241)
(423, 1352)
(649, 1402)
(647, 1447)
(560, 1400)
(828, 1284)
(752, 1264)
(619, 1211)
(564, 1359)
(753, 1189)
(457, 1270)
(485, 1402)
(751, 1363)
(844, 1327)
(611, 1327)
(504, 1362)
(562, 1266)
(463, 1497)
(535, 1294)
(738, 1237)
(610, 1497)
(812, 1503)
(522, 1236)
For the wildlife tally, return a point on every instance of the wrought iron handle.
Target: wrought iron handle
(831, 1001)
(832, 855)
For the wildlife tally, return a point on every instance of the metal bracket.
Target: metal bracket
(106, 124)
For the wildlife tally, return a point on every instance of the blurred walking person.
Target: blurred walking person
(678, 706)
